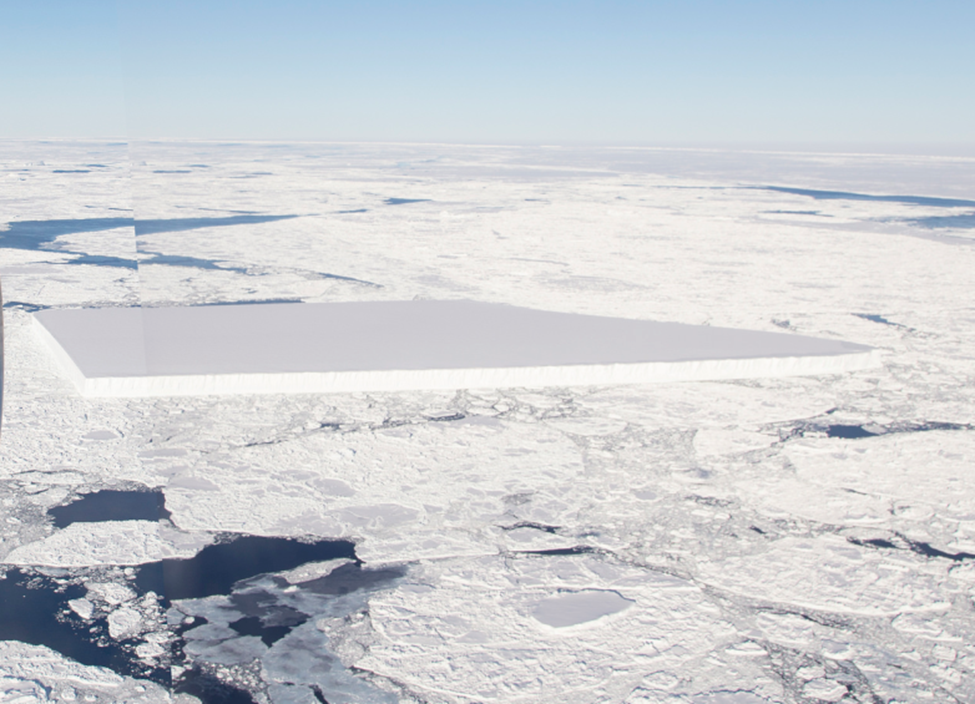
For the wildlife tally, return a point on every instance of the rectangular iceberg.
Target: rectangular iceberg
(401, 345)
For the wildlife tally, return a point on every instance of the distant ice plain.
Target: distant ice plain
(758, 558)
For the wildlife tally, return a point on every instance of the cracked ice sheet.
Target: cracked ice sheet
(707, 484)
(33, 673)
(877, 484)
(104, 543)
(435, 634)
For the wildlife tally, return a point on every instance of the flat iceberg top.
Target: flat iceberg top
(384, 336)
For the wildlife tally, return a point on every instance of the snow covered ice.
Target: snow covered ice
(774, 539)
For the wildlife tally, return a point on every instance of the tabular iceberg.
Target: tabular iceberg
(403, 345)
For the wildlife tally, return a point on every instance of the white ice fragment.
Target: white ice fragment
(82, 607)
(39, 663)
(747, 650)
(153, 646)
(86, 544)
(810, 673)
(579, 607)
(313, 570)
(110, 592)
(824, 690)
(123, 622)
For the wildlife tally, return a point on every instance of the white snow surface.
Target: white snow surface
(761, 556)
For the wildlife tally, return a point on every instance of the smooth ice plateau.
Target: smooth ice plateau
(406, 345)
(774, 539)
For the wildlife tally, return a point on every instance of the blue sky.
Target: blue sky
(642, 73)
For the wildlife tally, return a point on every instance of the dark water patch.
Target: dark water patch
(254, 626)
(111, 505)
(213, 265)
(323, 275)
(927, 550)
(866, 430)
(797, 212)
(172, 171)
(534, 526)
(216, 568)
(96, 166)
(272, 608)
(348, 212)
(349, 578)
(893, 428)
(845, 195)
(71, 171)
(26, 307)
(848, 431)
(404, 201)
(102, 260)
(189, 262)
(540, 200)
(953, 222)
(209, 689)
(151, 227)
(902, 542)
(319, 695)
(34, 235)
(199, 166)
(873, 318)
(880, 543)
(34, 609)
(189, 623)
(875, 543)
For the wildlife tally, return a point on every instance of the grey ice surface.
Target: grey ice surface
(579, 607)
(360, 336)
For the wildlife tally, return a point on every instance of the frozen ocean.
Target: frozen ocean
(794, 536)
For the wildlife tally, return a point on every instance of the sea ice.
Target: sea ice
(776, 539)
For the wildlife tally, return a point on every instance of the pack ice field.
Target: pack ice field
(794, 538)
